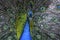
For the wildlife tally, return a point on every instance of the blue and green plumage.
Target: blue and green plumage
(20, 21)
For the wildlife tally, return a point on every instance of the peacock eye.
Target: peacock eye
(42, 9)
